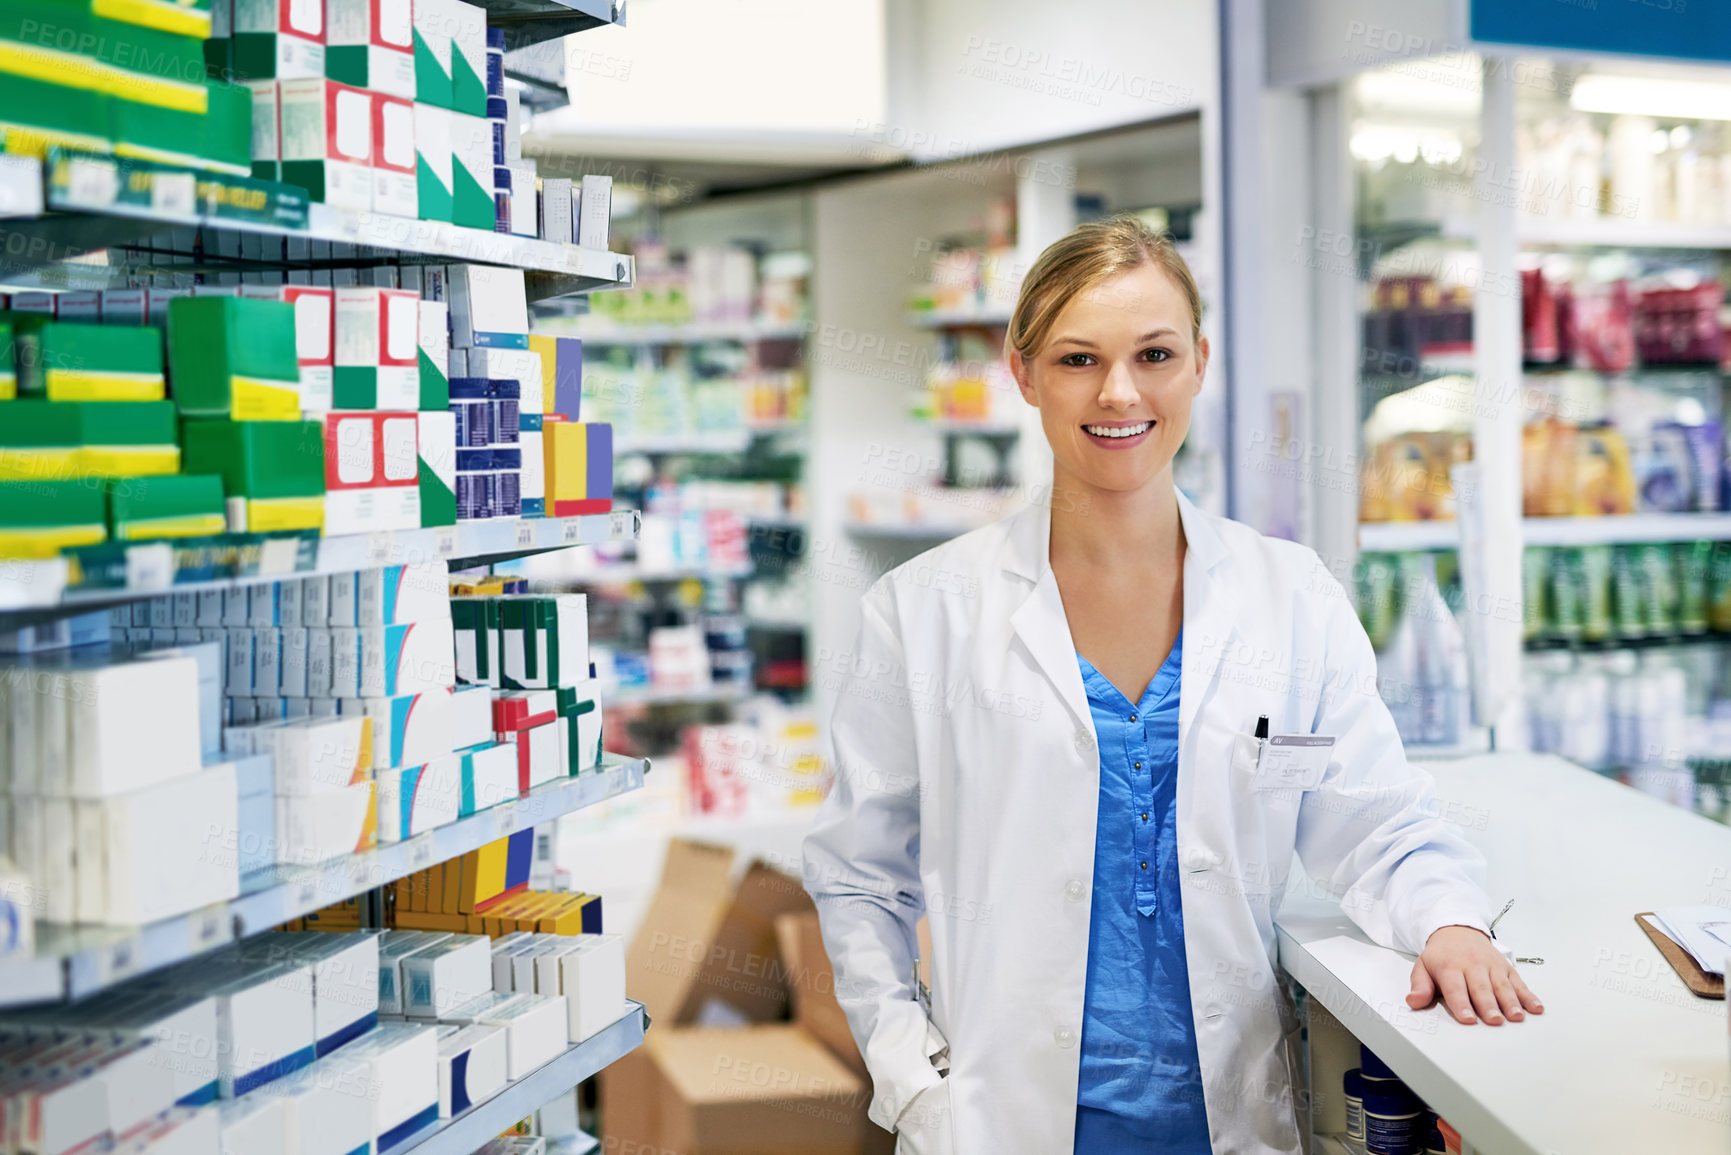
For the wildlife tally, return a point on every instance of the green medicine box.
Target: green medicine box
(125, 60)
(234, 357)
(62, 439)
(38, 519)
(182, 505)
(67, 361)
(220, 139)
(38, 114)
(273, 472)
(180, 17)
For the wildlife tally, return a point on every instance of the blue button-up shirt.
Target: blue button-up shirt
(1141, 1086)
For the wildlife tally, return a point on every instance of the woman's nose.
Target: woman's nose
(1118, 391)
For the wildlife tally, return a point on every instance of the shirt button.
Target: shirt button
(1084, 741)
(1138, 765)
(1073, 891)
(1132, 717)
(1144, 816)
(1064, 1037)
(1144, 866)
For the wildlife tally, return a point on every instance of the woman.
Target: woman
(1050, 749)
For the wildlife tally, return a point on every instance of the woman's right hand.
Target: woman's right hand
(924, 1128)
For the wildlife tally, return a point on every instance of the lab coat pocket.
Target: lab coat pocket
(1256, 766)
(925, 1127)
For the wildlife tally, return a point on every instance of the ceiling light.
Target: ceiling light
(1649, 96)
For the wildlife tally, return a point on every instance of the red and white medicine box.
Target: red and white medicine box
(394, 176)
(327, 141)
(378, 348)
(315, 342)
(372, 472)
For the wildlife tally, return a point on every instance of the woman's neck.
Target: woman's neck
(1115, 529)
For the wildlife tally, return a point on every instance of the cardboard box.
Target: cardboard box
(264, 1017)
(159, 851)
(522, 366)
(326, 1107)
(409, 729)
(234, 357)
(131, 725)
(811, 985)
(580, 728)
(471, 716)
(315, 343)
(317, 755)
(396, 181)
(407, 659)
(544, 641)
(327, 825)
(768, 1089)
(579, 467)
(561, 374)
(592, 979)
(65, 361)
(434, 26)
(437, 442)
(395, 946)
(476, 622)
(416, 799)
(377, 350)
(177, 505)
(534, 1027)
(489, 775)
(52, 440)
(344, 970)
(555, 210)
(468, 58)
(446, 975)
(534, 475)
(372, 471)
(272, 471)
(489, 308)
(472, 203)
(403, 1075)
(434, 359)
(327, 145)
(370, 44)
(40, 518)
(278, 39)
(396, 595)
(472, 1066)
(255, 1125)
(434, 160)
(596, 213)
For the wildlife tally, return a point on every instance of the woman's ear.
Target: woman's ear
(1019, 370)
(1201, 364)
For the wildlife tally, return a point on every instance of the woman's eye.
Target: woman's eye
(1075, 360)
(1156, 355)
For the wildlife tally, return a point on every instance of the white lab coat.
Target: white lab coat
(968, 786)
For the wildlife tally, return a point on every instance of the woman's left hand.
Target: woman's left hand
(1465, 967)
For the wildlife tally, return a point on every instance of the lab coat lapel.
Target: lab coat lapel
(1210, 612)
(1039, 621)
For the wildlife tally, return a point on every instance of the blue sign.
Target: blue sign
(1685, 29)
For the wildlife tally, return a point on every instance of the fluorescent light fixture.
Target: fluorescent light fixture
(1651, 96)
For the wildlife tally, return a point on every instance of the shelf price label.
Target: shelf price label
(420, 852)
(307, 895)
(571, 531)
(619, 524)
(525, 534)
(174, 194)
(378, 549)
(149, 567)
(504, 820)
(118, 961)
(445, 541)
(91, 183)
(205, 927)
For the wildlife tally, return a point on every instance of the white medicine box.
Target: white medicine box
(327, 141)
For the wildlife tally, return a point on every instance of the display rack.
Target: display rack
(959, 318)
(1624, 529)
(694, 333)
(466, 1133)
(76, 961)
(81, 210)
(527, 22)
(97, 576)
(665, 696)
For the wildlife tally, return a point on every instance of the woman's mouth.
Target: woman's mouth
(1119, 436)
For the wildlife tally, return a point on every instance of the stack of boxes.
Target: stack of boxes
(133, 84)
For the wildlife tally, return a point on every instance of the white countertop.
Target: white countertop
(1624, 1061)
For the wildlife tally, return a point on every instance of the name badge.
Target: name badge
(1294, 761)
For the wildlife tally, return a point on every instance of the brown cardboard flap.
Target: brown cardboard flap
(811, 985)
(743, 966)
(673, 939)
(1699, 982)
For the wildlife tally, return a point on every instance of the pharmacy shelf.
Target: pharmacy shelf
(75, 961)
(912, 530)
(93, 577)
(664, 696)
(776, 521)
(91, 239)
(720, 441)
(1626, 529)
(953, 426)
(629, 572)
(745, 332)
(959, 318)
(1601, 233)
(527, 22)
(467, 1133)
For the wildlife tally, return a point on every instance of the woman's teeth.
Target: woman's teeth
(1118, 430)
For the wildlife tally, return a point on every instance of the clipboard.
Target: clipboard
(1701, 984)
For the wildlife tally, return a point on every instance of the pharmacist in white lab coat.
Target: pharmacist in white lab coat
(991, 752)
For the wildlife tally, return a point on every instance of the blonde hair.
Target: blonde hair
(1089, 254)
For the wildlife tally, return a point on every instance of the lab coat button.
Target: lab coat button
(1073, 892)
(1064, 1037)
(1084, 741)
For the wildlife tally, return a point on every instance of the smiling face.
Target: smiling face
(1115, 379)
